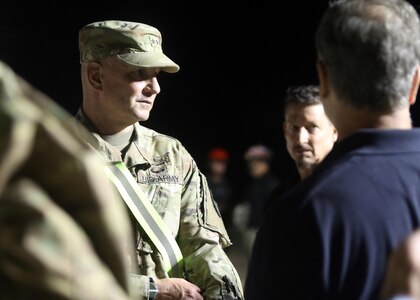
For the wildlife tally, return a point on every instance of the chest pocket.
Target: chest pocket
(160, 181)
(160, 199)
(153, 181)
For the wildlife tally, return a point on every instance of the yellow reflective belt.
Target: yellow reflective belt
(147, 217)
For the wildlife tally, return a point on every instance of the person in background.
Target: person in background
(257, 191)
(64, 232)
(262, 183)
(331, 236)
(219, 184)
(120, 65)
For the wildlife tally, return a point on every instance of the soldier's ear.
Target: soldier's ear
(94, 71)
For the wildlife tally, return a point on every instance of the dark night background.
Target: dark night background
(236, 58)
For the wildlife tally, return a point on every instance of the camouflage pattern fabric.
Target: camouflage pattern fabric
(64, 233)
(169, 176)
(136, 44)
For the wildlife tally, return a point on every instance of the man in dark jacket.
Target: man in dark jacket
(330, 238)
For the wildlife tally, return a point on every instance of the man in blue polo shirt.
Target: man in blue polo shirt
(330, 237)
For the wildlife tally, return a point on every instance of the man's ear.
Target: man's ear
(335, 135)
(94, 70)
(414, 86)
(322, 71)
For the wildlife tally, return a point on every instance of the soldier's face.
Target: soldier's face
(309, 134)
(129, 93)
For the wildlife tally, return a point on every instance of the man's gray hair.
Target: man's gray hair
(370, 49)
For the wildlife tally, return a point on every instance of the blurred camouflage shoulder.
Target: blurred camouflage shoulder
(56, 205)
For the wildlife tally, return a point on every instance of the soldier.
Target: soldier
(120, 62)
(64, 233)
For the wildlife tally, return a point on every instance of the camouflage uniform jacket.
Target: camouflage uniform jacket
(58, 239)
(169, 176)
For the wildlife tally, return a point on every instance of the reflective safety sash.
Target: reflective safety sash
(147, 217)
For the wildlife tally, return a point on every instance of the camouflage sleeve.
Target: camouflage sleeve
(139, 285)
(45, 254)
(64, 234)
(202, 238)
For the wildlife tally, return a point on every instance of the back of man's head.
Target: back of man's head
(371, 49)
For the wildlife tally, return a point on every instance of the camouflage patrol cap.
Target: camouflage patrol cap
(136, 44)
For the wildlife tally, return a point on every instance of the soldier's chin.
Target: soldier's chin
(143, 116)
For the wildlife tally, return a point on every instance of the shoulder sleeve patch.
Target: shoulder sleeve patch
(211, 215)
